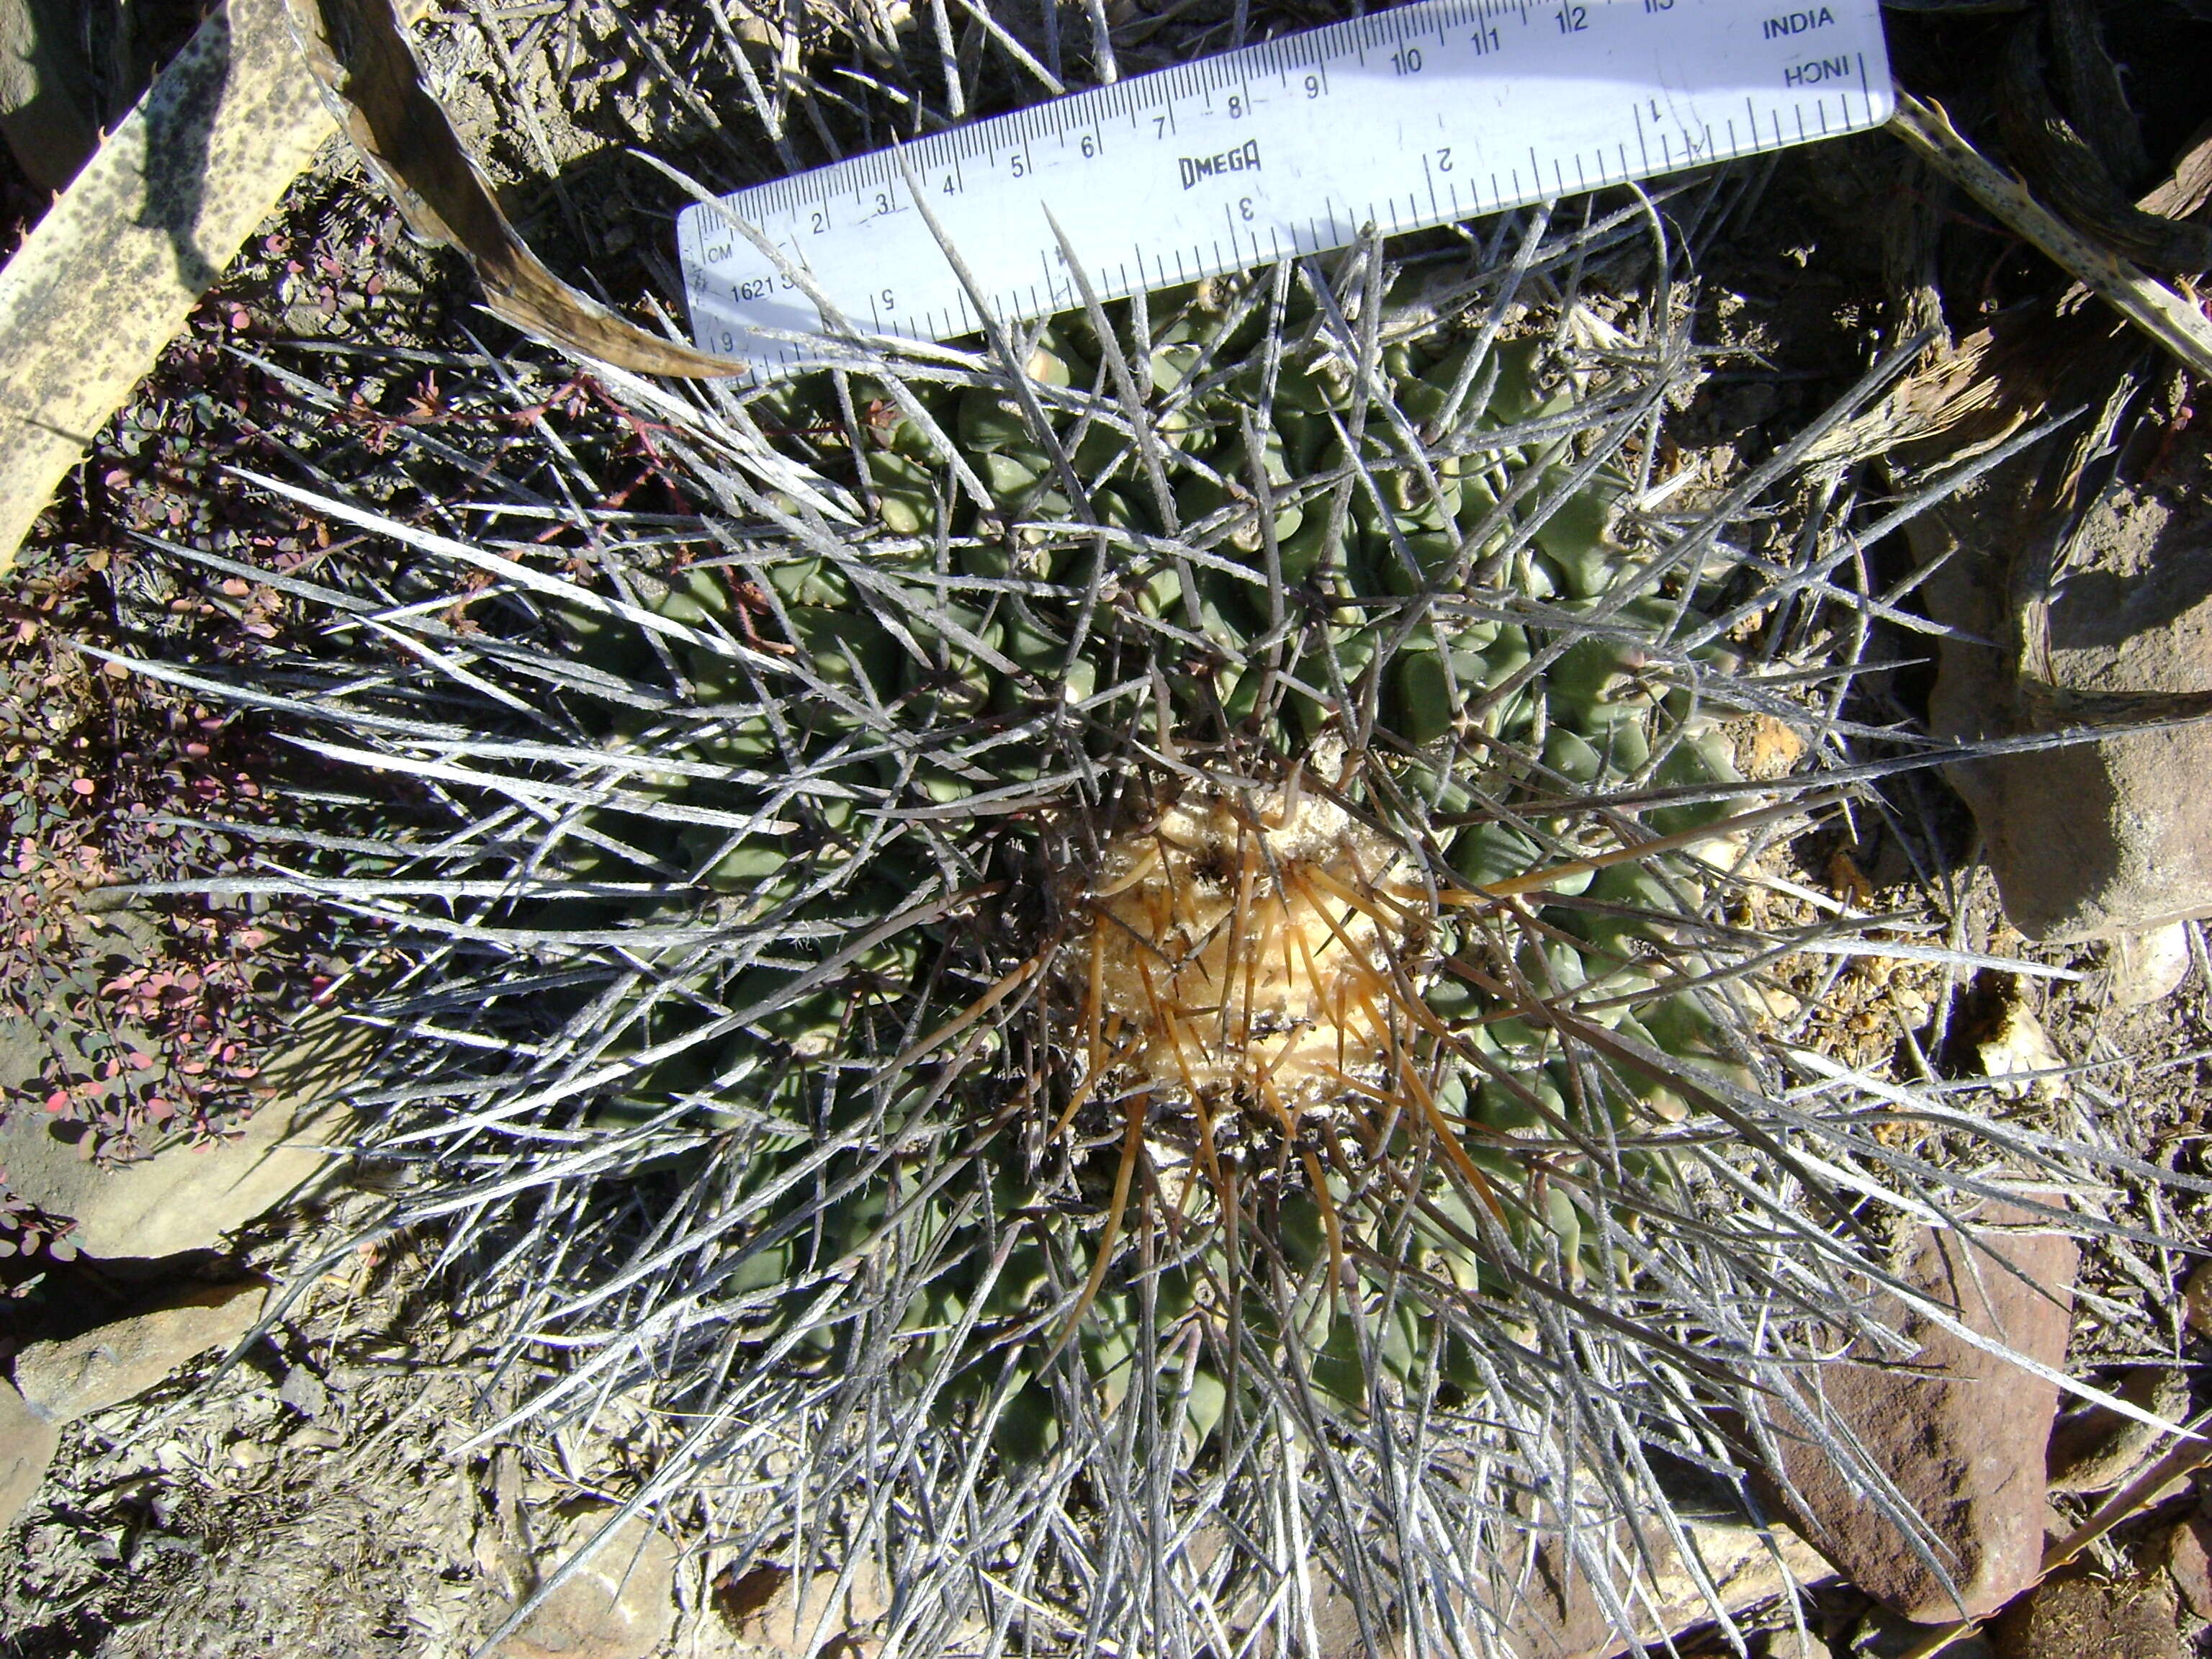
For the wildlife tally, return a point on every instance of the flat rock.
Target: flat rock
(183, 1198)
(2147, 964)
(60, 1381)
(1563, 1618)
(2086, 625)
(772, 1610)
(619, 1604)
(1960, 1433)
(2082, 1617)
(27, 1446)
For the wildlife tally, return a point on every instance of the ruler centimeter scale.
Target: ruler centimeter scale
(1401, 120)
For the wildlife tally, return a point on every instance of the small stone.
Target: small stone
(312, 1437)
(1766, 747)
(1780, 1006)
(2147, 964)
(65, 1380)
(27, 1446)
(303, 1391)
(618, 1604)
(2197, 1299)
(2015, 1045)
(1932, 1427)
(2094, 1448)
(2188, 1555)
(773, 1608)
(2080, 1617)
(246, 1454)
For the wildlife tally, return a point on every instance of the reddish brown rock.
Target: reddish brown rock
(1960, 1433)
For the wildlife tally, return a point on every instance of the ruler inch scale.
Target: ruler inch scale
(1399, 120)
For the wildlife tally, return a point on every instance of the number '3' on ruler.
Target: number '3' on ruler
(1402, 119)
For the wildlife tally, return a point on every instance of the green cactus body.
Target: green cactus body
(1460, 715)
(1143, 932)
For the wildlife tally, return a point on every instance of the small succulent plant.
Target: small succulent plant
(1143, 898)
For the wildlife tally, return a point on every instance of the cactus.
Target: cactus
(1269, 980)
(1115, 979)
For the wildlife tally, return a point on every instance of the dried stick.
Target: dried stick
(2167, 317)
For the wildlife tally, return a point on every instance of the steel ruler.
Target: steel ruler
(1401, 120)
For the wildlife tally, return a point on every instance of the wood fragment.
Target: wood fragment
(111, 275)
(2165, 316)
(1976, 392)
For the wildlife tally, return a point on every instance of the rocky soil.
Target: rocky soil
(170, 1486)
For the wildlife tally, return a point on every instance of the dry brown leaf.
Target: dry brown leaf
(2185, 194)
(360, 57)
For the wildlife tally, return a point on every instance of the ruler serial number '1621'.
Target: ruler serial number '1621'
(1402, 119)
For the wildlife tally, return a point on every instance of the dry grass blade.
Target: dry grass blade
(360, 57)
